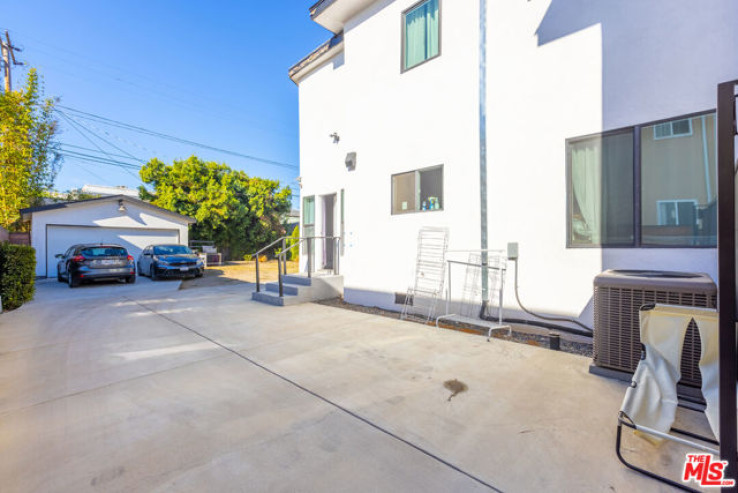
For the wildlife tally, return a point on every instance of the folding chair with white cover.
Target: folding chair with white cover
(650, 403)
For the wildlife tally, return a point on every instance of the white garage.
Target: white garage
(118, 219)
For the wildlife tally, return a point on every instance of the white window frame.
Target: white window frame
(662, 221)
(670, 126)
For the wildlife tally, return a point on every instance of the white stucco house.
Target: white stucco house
(586, 129)
(118, 219)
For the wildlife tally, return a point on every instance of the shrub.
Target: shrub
(17, 274)
(294, 254)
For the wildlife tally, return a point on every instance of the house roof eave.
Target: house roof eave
(321, 54)
(29, 211)
(333, 14)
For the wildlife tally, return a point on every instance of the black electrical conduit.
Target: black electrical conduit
(584, 331)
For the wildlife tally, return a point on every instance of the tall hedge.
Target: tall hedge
(17, 274)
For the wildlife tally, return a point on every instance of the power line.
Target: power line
(100, 160)
(82, 148)
(153, 133)
(83, 168)
(77, 127)
(166, 88)
(102, 139)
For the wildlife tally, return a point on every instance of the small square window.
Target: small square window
(418, 191)
(421, 34)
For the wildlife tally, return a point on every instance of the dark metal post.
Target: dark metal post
(334, 246)
(726, 122)
(310, 257)
(284, 252)
(279, 275)
(258, 286)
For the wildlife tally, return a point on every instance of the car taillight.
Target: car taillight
(130, 258)
(78, 258)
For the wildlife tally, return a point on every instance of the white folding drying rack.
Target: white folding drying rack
(430, 268)
(478, 299)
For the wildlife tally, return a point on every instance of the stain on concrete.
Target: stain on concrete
(108, 476)
(455, 387)
(396, 400)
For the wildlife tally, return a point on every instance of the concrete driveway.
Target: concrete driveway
(149, 388)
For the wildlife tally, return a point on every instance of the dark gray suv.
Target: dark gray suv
(95, 262)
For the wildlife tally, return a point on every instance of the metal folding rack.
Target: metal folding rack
(479, 299)
(430, 270)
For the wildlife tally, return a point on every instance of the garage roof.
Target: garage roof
(27, 212)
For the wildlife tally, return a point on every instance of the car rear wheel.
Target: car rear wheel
(130, 279)
(73, 283)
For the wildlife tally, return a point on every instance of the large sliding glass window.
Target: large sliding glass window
(421, 33)
(678, 206)
(419, 190)
(601, 190)
(673, 166)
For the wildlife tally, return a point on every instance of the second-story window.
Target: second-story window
(421, 33)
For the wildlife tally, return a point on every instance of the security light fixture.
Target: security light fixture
(121, 206)
(335, 137)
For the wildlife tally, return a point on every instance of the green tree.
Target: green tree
(29, 157)
(238, 212)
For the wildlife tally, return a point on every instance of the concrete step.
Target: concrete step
(301, 279)
(291, 289)
(271, 298)
(300, 289)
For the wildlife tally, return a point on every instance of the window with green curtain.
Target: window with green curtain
(308, 216)
(422, 33)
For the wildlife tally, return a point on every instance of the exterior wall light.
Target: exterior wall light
(335, 137)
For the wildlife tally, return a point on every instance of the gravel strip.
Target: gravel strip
(522, 334)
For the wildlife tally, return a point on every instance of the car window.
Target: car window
(172, 250)
(103, 251)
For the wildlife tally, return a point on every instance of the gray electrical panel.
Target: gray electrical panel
(512, 251)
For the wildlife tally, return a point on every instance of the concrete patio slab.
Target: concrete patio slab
(159, 389)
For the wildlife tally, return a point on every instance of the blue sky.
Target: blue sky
(210, 72)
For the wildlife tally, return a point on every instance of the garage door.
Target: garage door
(60, 238)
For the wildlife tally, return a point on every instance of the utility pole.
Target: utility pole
(8, 54)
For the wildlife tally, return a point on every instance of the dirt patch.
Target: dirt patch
(237, 273)
(455, 387)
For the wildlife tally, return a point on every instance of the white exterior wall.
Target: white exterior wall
(102, 214)
(559, 70)
(395, 123)
(556, 70)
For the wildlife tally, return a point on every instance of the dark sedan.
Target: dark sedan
(169, 261)
(93, 263)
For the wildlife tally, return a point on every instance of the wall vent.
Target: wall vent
(618, 296)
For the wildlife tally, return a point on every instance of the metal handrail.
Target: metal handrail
(282, 260)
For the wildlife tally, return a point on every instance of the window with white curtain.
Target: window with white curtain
(601, 190)
(421, 33)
